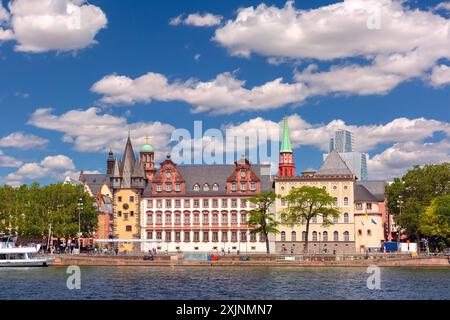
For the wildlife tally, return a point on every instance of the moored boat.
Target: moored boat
(14, 256)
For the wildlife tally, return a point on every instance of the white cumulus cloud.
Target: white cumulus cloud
(51, 167)
(8, 161)
(197, 20)
(392, 42)
(221, 95)
(440, 75)
(60, 25)
(24, 141)
(396, 160)
(92, 131)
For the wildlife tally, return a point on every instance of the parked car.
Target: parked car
(447, 252)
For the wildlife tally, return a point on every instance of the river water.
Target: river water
(224, 283)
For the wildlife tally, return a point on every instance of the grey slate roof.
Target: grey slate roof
(219, 174)
(375, 187)
(334, 165)
(362, 194)
(95, 181)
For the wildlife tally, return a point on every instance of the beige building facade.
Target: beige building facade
(359, 227)
(337, 238)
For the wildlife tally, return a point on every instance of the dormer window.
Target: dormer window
(196, 187)
(244, 186)
(168, 187)
(215, 187)
(206, 187)
(233, 187)
(159, 187)
(253, 186)
(177, 187)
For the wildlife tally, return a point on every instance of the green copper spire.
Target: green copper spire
(286, 140)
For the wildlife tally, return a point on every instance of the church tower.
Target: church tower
(110, 162)
(286, 166)
(128, 182)
(147, 157)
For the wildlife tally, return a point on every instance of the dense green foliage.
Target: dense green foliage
(306, 203)
(418, 201)
(259, 219)
(29, 211)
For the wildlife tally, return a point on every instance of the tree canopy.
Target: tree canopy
(260, 220)
(306, 203)
(28, 211)
(411, 196)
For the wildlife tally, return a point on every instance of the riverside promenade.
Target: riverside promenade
(256, 260)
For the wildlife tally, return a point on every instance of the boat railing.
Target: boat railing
(7, 245)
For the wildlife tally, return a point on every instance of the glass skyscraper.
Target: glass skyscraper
(356, 161)
(342, 141)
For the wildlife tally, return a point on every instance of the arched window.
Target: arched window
(346, 236)
(196, 187)
(314, 234)
(369, 232)
(345, 201)
(346, 219)
(336, 202)
(215, 187)
(335, 220)
(359, 232)
(335, 236)
(206, 187)
(293, 236)
(325, 236)
(304, 236)
(283, 236)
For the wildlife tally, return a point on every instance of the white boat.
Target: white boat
(14, 256)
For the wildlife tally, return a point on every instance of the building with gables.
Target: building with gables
(203, 208)
(359, 228)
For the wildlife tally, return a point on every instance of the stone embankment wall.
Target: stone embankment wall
(260, 260)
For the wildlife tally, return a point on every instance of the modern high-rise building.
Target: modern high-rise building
(356, 161)
(342, 141)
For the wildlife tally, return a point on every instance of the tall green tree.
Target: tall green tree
(306, 203)
(408, 197)
(435, 221)
(28, 211)
(259, 219)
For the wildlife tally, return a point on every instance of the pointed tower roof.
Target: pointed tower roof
(334, 165)
(138, 170)
(128, 154)
(128, 162)
(286, 139)
(116, 171)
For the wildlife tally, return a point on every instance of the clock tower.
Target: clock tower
(286, 166)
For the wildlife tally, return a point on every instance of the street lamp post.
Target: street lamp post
(80, 208)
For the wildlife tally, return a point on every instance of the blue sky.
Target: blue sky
(138, 38)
